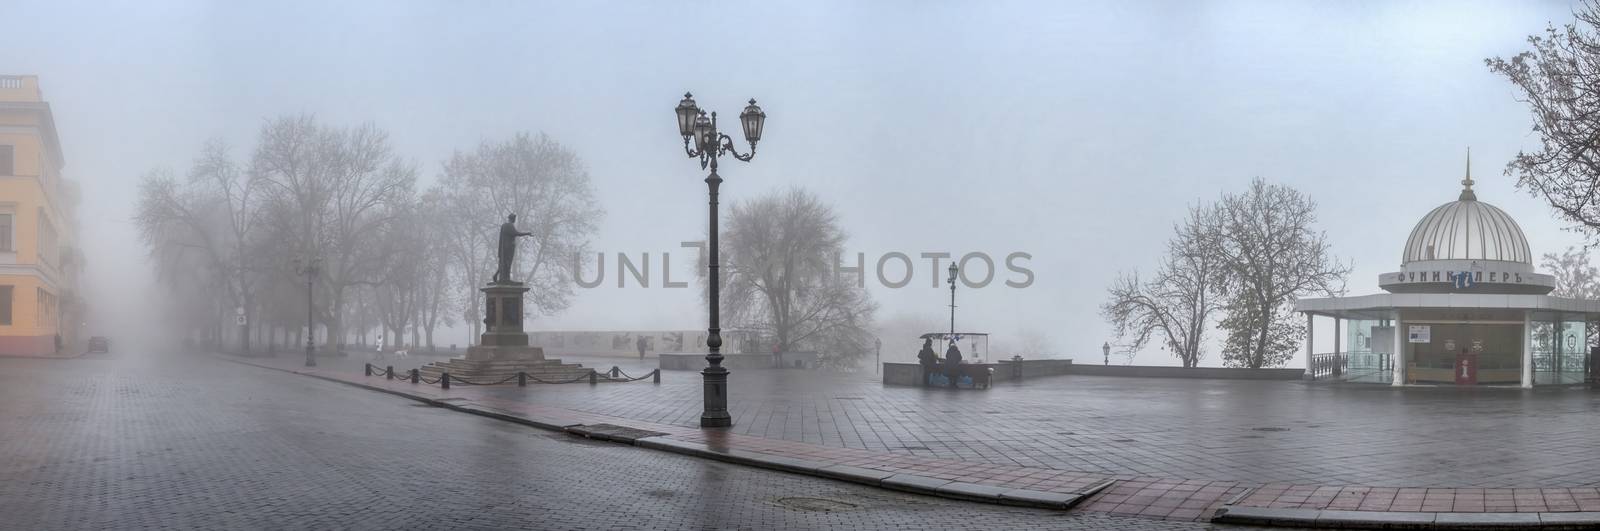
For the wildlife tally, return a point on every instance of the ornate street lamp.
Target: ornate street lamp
(702, 140)
(309, 270)
(952, 281)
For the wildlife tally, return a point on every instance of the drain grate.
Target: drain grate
(611, 432)
(922, 448)
(1122, 440)
(820, 505)
(1271, 428)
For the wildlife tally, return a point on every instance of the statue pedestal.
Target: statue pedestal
(503, 349)
(503, 338)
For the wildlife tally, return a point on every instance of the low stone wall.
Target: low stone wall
(1006, 370)
(1214, 373)
(694, 361)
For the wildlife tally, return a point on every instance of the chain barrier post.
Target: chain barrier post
(522, 379)
(444, 380)
(594, 377)
(656, 376)
(388, 371)
(415, 376)
(368, 368)
(615, 370)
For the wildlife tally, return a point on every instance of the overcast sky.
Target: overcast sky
(1075, 132)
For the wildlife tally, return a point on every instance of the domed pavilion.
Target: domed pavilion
(1465, 308)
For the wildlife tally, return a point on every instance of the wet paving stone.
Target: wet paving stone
(205, 444)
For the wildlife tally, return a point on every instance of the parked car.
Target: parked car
(99, 344)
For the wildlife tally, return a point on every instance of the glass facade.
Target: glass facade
(1467, 353)
(1367, 346)
(1560, 352)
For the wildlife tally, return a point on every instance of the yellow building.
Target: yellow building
(39, 264)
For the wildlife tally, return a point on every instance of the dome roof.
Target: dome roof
(1467, 229)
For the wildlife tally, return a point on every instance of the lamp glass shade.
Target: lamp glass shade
(953, 271)
(752, 119)
(686, 112)
(703, 132)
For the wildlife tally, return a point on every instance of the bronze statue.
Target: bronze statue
(508, 249)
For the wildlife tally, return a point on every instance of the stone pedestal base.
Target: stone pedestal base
(487, 365)
(493, 353)
(504, 349)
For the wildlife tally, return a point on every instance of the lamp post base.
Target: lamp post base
(311, 357)
(716, 412)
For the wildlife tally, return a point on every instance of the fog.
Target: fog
(1078, 134)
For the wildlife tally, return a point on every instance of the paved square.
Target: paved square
(204, 444)
(1246, 431)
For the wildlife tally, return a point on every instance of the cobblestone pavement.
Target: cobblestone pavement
(1246, 431)
(204, 444)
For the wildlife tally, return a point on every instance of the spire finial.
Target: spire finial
(1466, 184)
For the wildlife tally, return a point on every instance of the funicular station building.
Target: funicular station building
(1465, 308)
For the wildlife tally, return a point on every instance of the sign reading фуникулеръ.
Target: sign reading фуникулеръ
(1458, 277)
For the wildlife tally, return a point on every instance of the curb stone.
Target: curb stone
(1336, 519)
(877, 478)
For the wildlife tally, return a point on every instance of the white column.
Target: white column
(1399, 355)
(1311, 328)
(1527, 349)
(1336, 335)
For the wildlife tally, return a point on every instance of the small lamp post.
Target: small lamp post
(702, 140)
(1105, 352)
(953, 271)
(309, 269)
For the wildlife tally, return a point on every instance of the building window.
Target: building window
(5, 232)
(5, 305)
(7, 160)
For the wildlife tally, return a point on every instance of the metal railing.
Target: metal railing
(444, 380)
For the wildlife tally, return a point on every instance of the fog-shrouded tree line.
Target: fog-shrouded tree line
(393, 261)
(1237, 264)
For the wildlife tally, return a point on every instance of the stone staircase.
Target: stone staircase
(489, 371)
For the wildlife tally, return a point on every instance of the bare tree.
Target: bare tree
(780, 277)
(397, 289)
(434, 283)
(548, 187)
(1270, 255)
(1179, 303)
(336, 191)
(1557, 79)
(214, 213)
(1576, 277)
